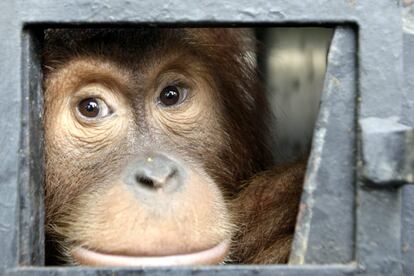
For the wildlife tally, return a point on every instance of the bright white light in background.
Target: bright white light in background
(295, 69)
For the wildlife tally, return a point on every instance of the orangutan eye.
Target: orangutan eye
(93, 108)
(172, 95)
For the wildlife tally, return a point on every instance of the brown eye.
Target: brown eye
(93, 108)
(172, 95)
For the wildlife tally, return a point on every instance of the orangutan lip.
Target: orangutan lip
(209, 256)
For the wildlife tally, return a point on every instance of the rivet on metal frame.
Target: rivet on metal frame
(387, 152)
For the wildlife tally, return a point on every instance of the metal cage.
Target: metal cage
(356, 215)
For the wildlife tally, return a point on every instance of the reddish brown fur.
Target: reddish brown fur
(266, 209)
(220, 137)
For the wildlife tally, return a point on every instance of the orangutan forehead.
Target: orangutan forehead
(141, 38)
(123, 44)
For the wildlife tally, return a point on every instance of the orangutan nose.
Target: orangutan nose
(156, 173)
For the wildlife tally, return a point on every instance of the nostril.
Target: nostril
(152, 183)
(145, 181)
(172, 173)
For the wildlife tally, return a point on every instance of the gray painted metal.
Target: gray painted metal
(376, 229)
(329, 191)
(282, 270)
(388, 142)
(407, 236)
(31, 154)
(10, 109)
(387, 152)
(210, 11)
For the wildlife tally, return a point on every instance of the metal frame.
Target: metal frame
(350, 220)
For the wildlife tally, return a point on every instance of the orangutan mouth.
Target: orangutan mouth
(210, 256)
